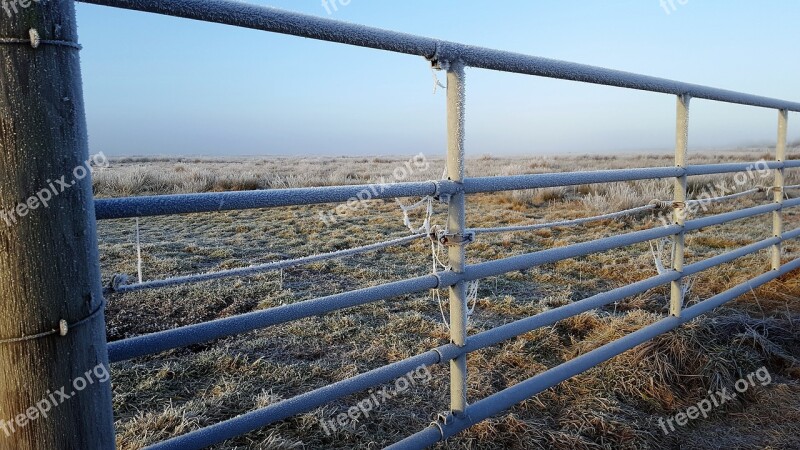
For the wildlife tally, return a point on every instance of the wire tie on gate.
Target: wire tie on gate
(117, 280)
(452, 239)
(438, 280)
(436, 83)
(438, 188)
(435, 58)
(436, 62)
(441, 420)
(660, 204)
(439, 354)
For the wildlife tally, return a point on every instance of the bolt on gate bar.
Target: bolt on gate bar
(454, 57)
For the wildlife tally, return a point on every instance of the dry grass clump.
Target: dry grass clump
(612, 197)
(617, 404)
(677, 369)
(144, 180)
(150, 176)
(539, 197)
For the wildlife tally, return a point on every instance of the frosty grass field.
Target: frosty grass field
(615, 405)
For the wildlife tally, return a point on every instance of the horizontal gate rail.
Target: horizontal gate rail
(714, 261)
(130, 207)
(720, 219)
(545, 180)
(565, 223)
(453, 58)
(309, 401)
(713, 169)
(162, 205)
(194, 334)
(552, 255)
(504, 332)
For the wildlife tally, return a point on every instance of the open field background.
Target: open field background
(615, 405)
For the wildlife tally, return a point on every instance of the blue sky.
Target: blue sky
(159, 85)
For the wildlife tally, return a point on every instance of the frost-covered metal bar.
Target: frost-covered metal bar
(529, 260)
(279, 21)
(679, 202)
(511, 330)
(261, 268)
(194, 334)
(789, 235)
(160, 205)
(778, 187)
(714, 261)
(712, 169)
(543, 180)
(309, 401)
(456, 226)
(265, 18)
(565, 223)
(720, 299)
(791, 203)
(720, 219)
(503, 400)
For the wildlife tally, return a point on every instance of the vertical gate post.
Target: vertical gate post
(456, 223)
(777, 189)
(679, 213)
(55, 391)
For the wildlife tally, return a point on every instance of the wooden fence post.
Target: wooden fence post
(55, 391)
